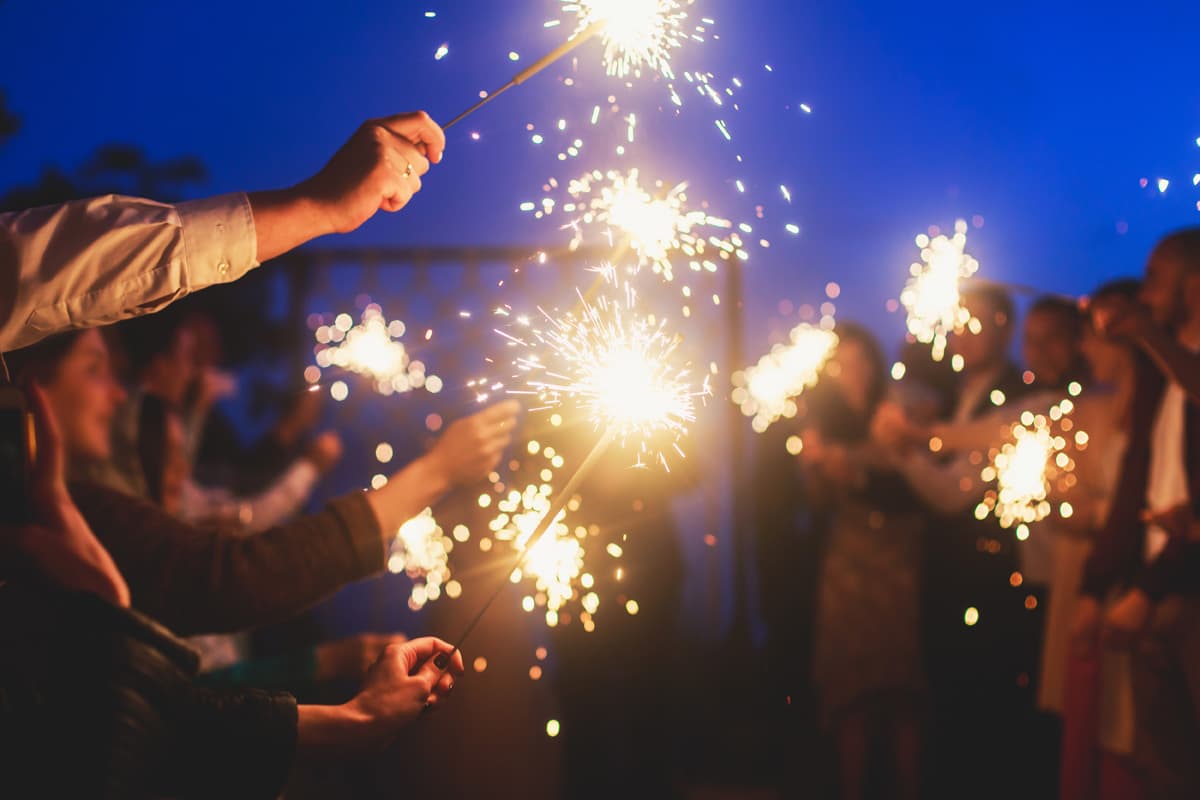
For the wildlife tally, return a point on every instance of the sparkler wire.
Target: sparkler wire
(442, 660)
(533, 69)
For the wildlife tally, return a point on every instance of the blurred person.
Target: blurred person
(224, 658)
(133, 722)
(1051, 339)
(1090, 689)
(1152, 568)
(103, 259)
(161, 355)
(867, 665)
(980, 639)
(200, 580)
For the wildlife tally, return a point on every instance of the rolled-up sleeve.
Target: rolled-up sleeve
(96, 261)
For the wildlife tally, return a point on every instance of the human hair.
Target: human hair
(142, 339)
(1181, 246)
(40, 362)
(995, 296)
(1066, 310)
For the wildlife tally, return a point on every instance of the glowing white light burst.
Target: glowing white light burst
(422, 552)
(555, 561)
(614, 363)
(931, 296)
(1030, 467)
(659, 227)
(372, 348)
(636, 34)
(767, 390)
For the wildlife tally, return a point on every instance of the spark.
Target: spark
(442, 51)
(767, 390)
(661, 228)
(1030, 466)
(614, 363)
(932, 296)
(373, 348)
(636, 34)
(422, 552)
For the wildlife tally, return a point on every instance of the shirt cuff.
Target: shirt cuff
(219, 241)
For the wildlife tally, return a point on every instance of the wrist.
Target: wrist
(434, 474)
(335, 730)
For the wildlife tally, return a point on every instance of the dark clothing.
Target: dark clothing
(97, 701)
(1116, 558)
(215, 581)
(1166, 685)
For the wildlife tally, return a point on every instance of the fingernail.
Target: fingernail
(441, 660)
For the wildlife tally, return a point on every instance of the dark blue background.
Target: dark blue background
(1039, 117)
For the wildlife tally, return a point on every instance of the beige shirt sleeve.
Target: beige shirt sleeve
(96, 261)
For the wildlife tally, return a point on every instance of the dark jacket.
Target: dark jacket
(198, 580)
(1116, 559)
(97, 701)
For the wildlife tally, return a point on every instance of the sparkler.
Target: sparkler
(932, 296)
(657, 227)
(635, 33)
(614, 364)
(1029, 467)
(421, 551)
(767, 390)
(371, 348)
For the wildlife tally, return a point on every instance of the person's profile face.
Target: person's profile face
(1049, 346)
(84, 396)
(1162, 290)
(987, 346)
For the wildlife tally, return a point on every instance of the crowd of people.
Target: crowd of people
(948, 656)
(945, 656)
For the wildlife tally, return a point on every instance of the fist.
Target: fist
(471, 447)
(325, 451)
(352, 657)
(379, 168)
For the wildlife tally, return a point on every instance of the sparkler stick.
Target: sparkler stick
(564, 496)
(533, 69)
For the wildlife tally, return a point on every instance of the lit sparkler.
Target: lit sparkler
(767, 390)
(612, 362)
(660, 228)
(372, 348)
(931, 296)
(1030, 467)
(615, 364)
(635, 33)
(421, 551)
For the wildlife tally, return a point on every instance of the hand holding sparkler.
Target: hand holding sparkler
(406, 681)
(378, 168)
(471, 447)
(468, 450)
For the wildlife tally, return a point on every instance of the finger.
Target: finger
(509, 409)
(444, 686)
(419, 127)
(412, 154)
(48, 466)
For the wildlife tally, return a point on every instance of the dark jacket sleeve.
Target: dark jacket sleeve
(234, 744)
(214, 581)
(1175, 571)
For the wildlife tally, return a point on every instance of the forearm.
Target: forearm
(284, 219)
(96, 261)
(325, 732)
(406, 494)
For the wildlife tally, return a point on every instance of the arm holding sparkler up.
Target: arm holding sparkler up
(99, 260)
(468, 450)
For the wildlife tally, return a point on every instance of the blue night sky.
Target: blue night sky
(1039, 117)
